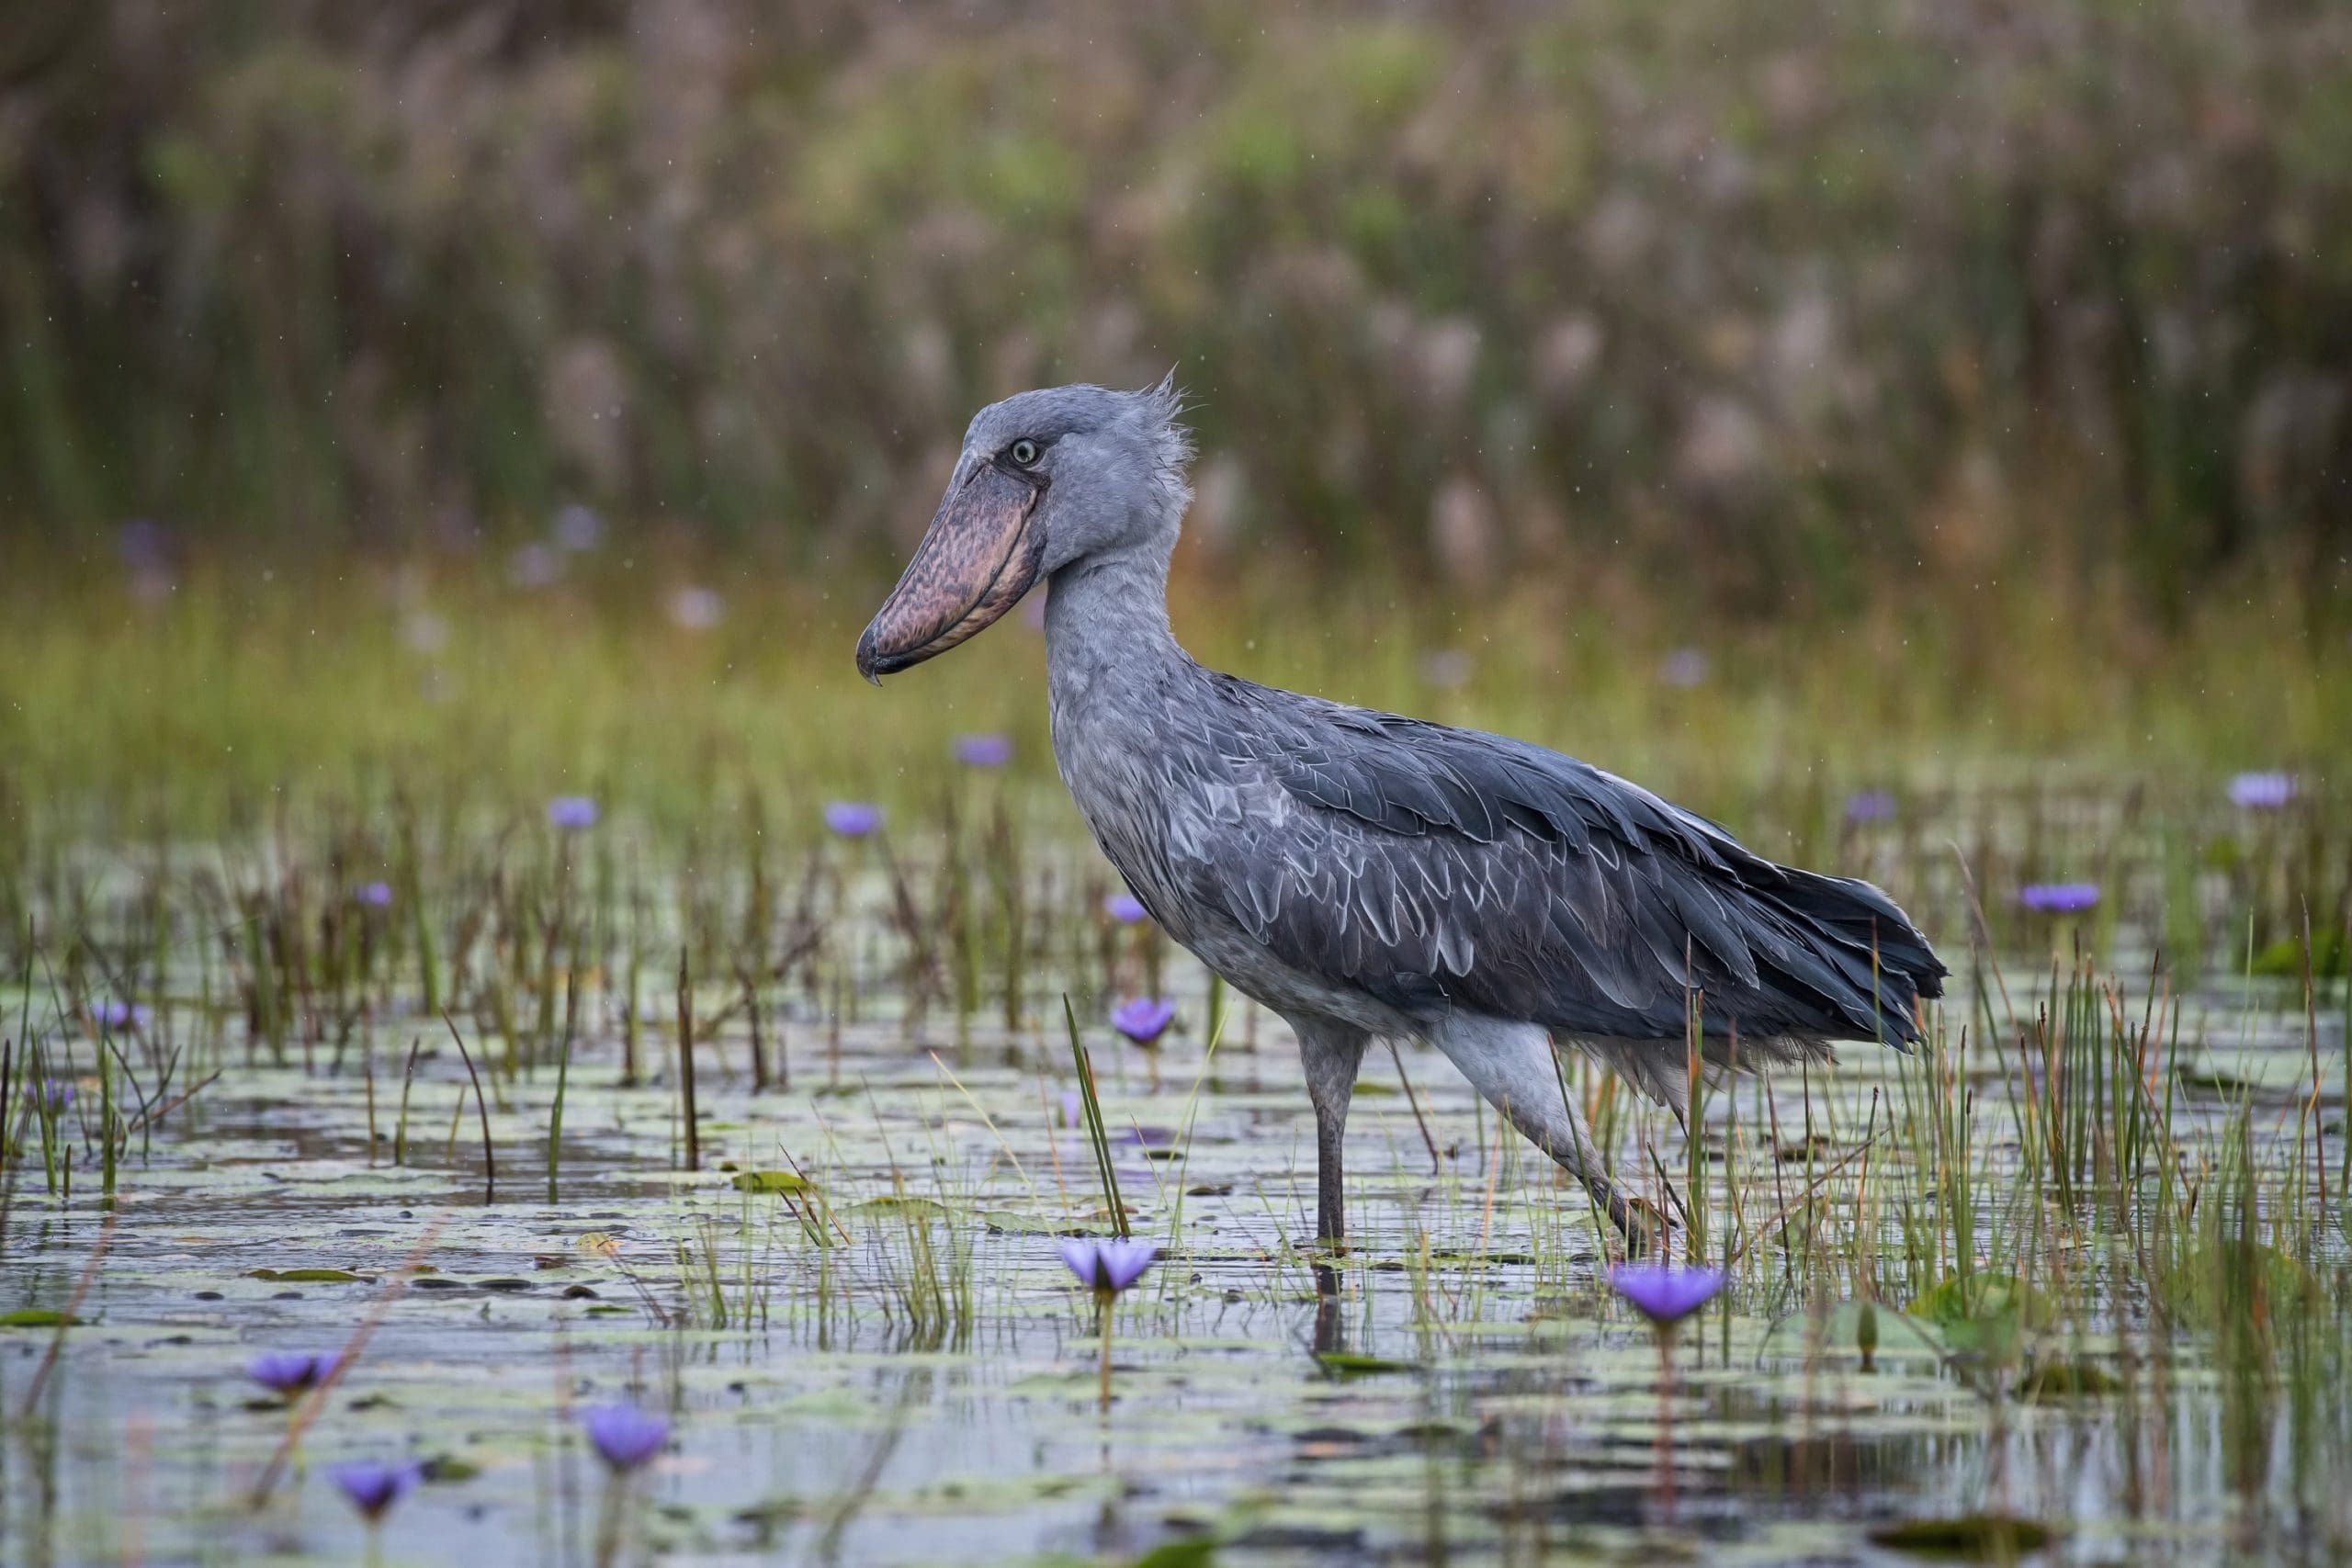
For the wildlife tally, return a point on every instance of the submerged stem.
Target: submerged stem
(1102, 1300)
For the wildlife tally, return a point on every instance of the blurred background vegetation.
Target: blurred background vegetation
(1968, 365)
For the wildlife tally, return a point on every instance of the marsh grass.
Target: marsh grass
(2100, 1207)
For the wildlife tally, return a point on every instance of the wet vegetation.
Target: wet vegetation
(571, 1018)
(508, 1052)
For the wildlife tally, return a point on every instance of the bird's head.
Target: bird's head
(1046, 479)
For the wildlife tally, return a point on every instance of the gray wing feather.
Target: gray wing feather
(1436, 868)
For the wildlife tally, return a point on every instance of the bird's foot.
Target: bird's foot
(1647, 1229)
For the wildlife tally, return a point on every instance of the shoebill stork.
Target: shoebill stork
(1365, 874)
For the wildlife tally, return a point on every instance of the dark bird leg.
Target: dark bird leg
(1511, 1065)
(1331, 1052)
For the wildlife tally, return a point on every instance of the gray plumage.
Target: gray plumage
(1366, 874)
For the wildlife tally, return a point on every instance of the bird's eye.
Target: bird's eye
(1023, 452)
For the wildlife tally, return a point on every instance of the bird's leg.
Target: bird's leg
(1511, 1065)
(1331, 1052)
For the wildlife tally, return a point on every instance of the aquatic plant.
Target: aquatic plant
(1124, 907)
(115, 1013)
(984, 751)
(375, 895)
(1869, 806)
(1107, 1265)
(1684, 669)
(853, 819)
(2262, 791)
(578, 528)
(289, 1372)
(56, 1094)
(372, 1486)
(2058, 898)
(695, 609)
(1144, 1019)
(1666, 1293)
(571, 813)
(627, 1438)
(624, 1437)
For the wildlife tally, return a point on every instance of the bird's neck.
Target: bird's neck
(1106, 628)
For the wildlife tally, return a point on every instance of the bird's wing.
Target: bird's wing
(1438, 868)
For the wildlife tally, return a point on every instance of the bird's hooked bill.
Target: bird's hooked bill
(978, 558)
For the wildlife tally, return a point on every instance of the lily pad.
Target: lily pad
(1974, 1538)
(2067, 1380)
(1978, 1296)
(786, 1181)
(1347, 1364)
(36, 1317)
(309, 1276)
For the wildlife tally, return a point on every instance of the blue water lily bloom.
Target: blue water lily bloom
(984, 751)
(623, 1435)
(1124, 907)
(1143, 1018)
(2262, 792)
(1107, 1265)
(2058, 898)
(854, 819)
(376, 895)
(289, 1372)
(372, 1486)
(579, 528)
(1664, 1293)
(56, 1094)
(1684, 668)
(1869, 806)
(573, 813)
(115, 1013)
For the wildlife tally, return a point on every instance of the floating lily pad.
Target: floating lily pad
(788, 1181)
(36, 1317)
(1347, 1364)
(1969, 1537)
(309, 1276)
(1977, 1295)
(2067, 1380)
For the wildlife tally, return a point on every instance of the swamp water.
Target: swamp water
(2068, 1286)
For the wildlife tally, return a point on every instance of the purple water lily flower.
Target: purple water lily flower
(623, 1436)
(2058, 898)
(696, 609)
(1124, 907)
(373, 1486)
(115, 1013)
(853, 819)
(375, 895)
(56, 1094)
(1072, 1103)
(1107, 1265)
(289, 1372)
(1684, 668)
(1869, 806)
(984, 751)
(572, 813)
(1665, 1293)
(579, 528)
(534, 566)
(2262, 792)
(1143, 1018)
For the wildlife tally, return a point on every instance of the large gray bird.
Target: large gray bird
(1365, 875)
